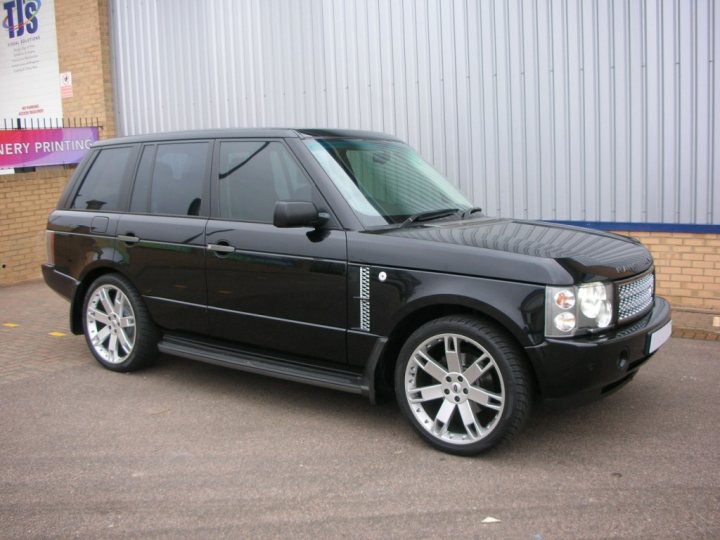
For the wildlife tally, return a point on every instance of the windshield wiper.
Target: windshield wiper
(470, 211)
(426, 216)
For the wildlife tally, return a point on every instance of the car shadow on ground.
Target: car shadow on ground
(564, 429)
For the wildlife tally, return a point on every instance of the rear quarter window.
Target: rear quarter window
(104, 184)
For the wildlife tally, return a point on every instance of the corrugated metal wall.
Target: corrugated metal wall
(569, 110)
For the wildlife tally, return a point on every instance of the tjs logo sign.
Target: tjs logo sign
(21, 15)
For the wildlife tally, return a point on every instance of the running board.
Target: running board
(251, 362)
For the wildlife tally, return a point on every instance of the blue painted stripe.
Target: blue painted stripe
(644, 227)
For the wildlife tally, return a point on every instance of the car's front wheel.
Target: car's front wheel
(463, 384)
(116, 324)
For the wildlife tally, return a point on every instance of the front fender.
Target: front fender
(517, 307)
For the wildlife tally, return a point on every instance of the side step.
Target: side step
(252, 362)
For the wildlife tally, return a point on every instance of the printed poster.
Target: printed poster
(29, 71)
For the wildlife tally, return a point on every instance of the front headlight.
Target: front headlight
(573, 310)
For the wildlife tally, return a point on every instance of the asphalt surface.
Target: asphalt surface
(190, 450)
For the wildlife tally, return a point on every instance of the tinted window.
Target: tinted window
(178, 179)
(254, 175)
(104, 183)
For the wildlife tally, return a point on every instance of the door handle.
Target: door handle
(128, 238)
(220, 248)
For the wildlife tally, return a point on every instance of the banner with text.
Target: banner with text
(41, 147)
(29, 72)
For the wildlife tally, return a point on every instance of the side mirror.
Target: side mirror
(298, 214)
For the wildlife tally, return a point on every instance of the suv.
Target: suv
(342, 259)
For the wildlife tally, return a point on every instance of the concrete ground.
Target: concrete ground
(189, 450)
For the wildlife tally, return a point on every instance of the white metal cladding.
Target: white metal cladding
(575, 110)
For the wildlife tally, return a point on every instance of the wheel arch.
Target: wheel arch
(384, 372)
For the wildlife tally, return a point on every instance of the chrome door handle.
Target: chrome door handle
(220, 248)
(128, 239)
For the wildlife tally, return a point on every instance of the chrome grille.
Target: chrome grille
(635, 297)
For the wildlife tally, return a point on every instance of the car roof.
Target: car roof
(231, 133)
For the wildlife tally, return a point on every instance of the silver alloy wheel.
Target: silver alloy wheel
(454, 388)
(110, 323)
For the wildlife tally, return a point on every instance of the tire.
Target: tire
(463, 385)
(116, 324)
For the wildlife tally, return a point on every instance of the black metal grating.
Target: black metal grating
(635, 297)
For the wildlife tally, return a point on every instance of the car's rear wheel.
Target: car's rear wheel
(116, 324)
(463, 384)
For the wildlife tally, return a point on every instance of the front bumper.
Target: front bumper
(594, 365)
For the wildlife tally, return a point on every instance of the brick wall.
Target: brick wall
(688, 276)
(83, 49)
(26, 199)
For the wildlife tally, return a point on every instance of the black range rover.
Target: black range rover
(342, 259)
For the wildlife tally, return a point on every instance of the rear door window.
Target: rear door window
(103, 187)
(173, 183)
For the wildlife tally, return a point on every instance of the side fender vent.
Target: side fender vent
(364, 298)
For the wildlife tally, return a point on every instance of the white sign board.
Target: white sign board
(29, 60)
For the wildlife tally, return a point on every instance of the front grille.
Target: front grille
(635, 297)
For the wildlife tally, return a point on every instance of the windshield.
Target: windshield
(385, 182)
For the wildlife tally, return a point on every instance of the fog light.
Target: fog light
(622, 360)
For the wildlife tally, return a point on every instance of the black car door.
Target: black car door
(274, 289)
(162, 238)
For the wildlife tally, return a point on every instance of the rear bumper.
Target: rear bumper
(589, 367)
(62, 284)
